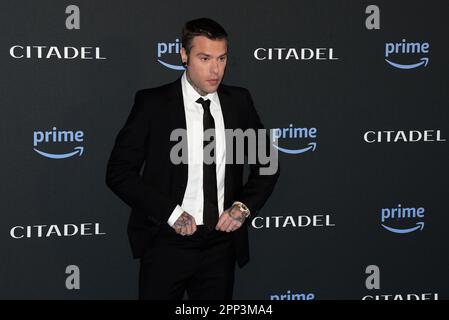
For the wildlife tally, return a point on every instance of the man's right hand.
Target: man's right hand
(185, 225)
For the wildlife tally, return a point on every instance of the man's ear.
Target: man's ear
(184, 57)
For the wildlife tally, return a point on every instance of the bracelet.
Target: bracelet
(244, 209)
(240, 219)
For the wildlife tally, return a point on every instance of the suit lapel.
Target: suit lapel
(177, 117)
(176, 105)
(229, 123)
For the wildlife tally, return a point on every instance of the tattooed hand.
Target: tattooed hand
(226, 222)
(185, 225)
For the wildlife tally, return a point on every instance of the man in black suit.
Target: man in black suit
(188, 220)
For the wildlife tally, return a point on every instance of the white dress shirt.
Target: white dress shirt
(193, 197)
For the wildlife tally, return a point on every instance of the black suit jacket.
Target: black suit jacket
(144, 142)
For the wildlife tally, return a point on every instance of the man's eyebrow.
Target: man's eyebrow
(208, 55)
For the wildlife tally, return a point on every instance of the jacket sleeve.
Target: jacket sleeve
(259, 186)
(125, 162)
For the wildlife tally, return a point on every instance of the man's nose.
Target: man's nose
(214, 67)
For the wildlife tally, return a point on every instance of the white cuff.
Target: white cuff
(175, 215)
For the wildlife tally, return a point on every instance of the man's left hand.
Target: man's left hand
(226, 222)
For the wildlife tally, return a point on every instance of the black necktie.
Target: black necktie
(210, 209)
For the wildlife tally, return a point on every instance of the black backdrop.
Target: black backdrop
(329, 201)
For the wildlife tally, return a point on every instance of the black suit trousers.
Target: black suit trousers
(202, 265)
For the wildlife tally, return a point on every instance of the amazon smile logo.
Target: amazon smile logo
(169, 51)
(402, 220)
(56, 137)
(288, 138)
(405, 48)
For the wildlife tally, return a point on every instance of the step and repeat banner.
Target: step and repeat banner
(355, 93)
